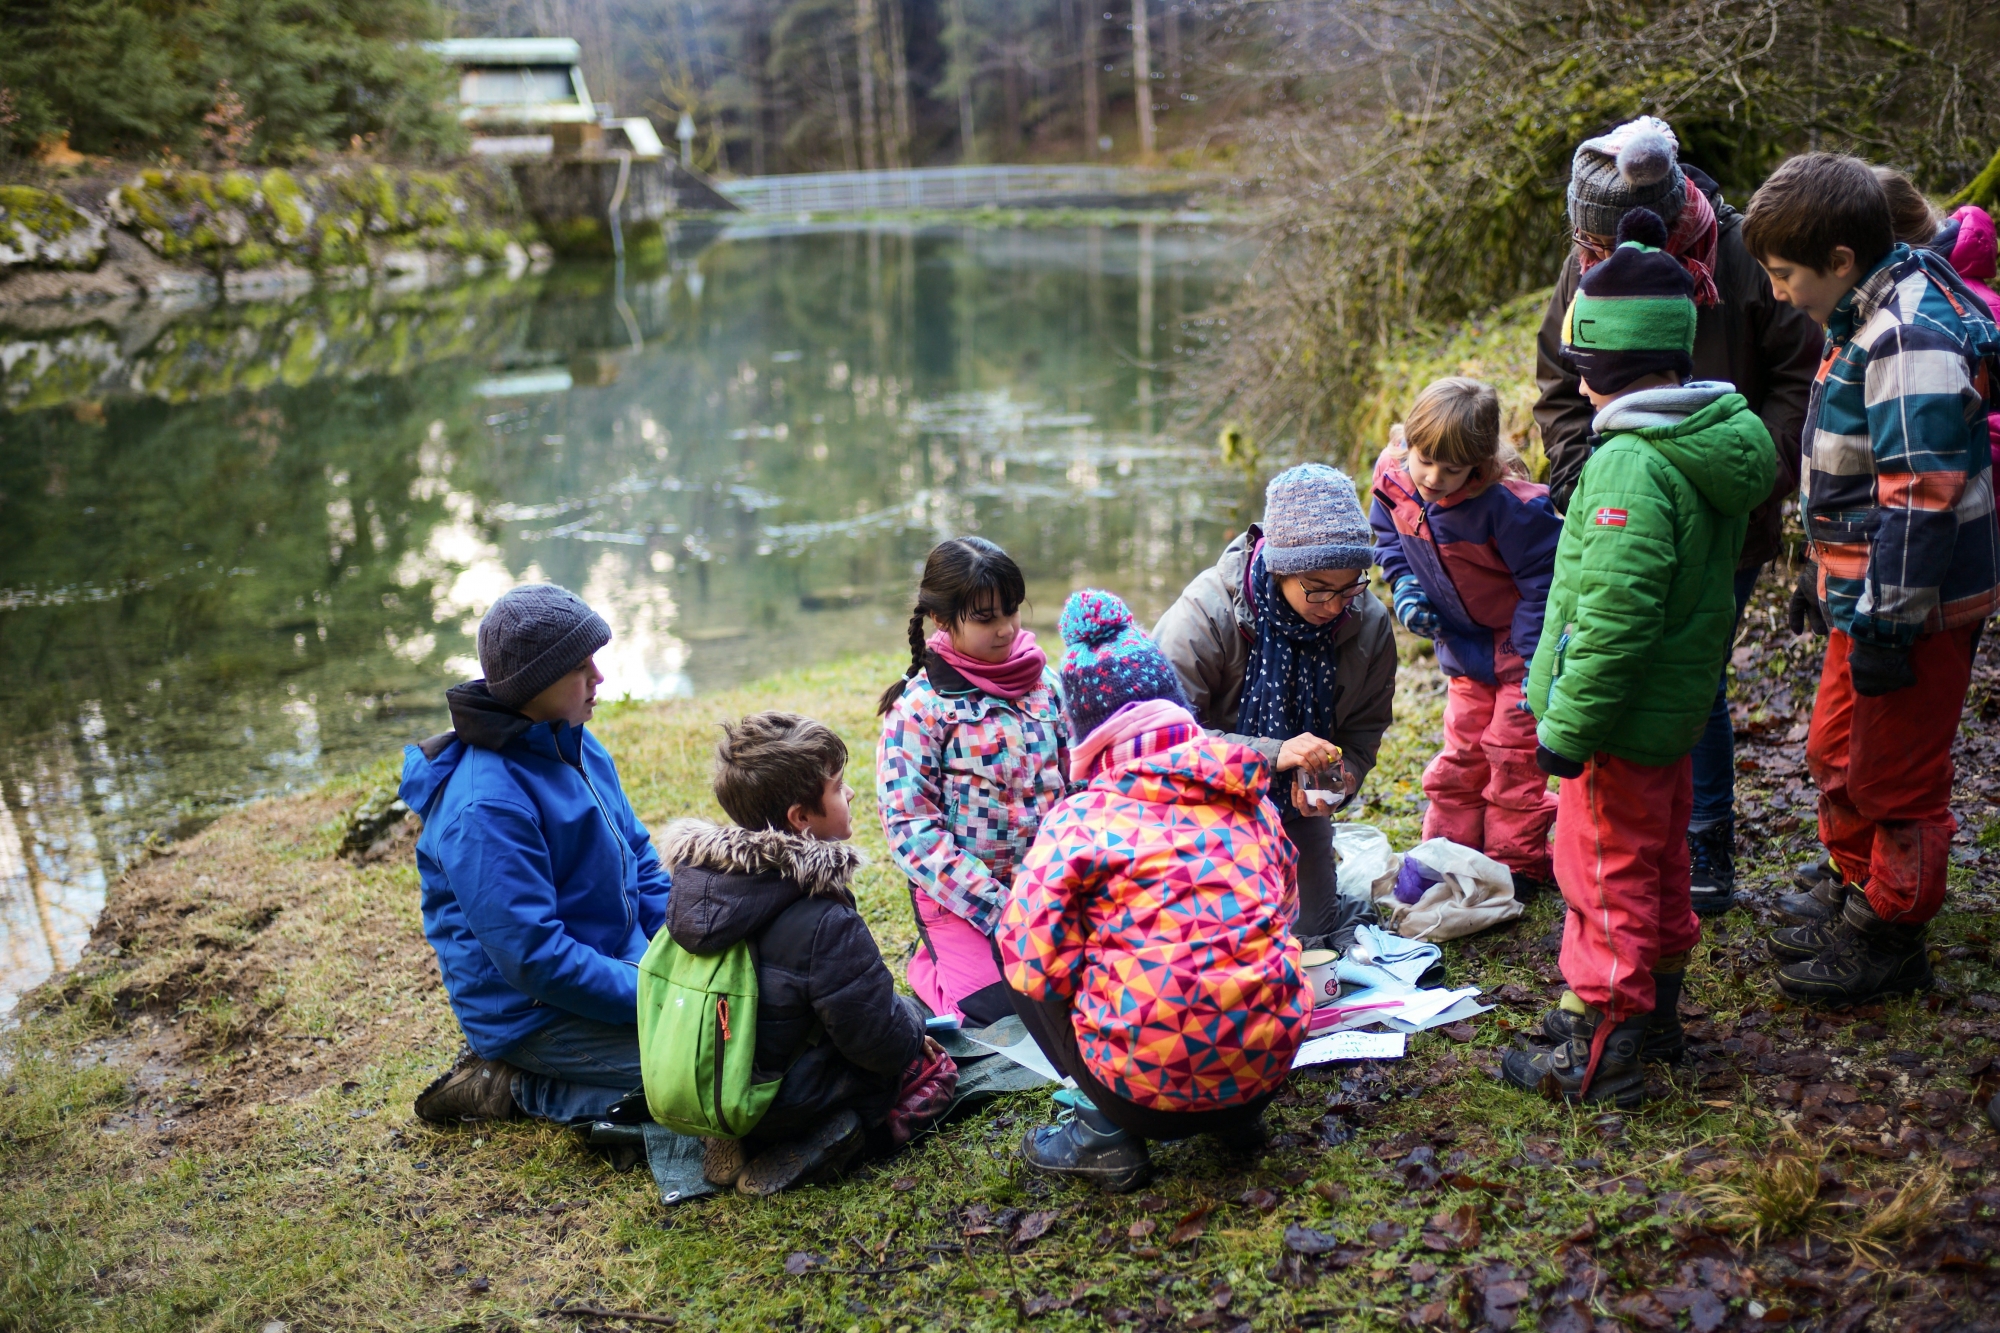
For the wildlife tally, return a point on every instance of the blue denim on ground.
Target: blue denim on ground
(1715, 753)
(573, 1069)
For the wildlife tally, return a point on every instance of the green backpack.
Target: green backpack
(698, 1039)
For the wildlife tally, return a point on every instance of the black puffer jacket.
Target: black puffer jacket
(1767, 349)
(819, 971)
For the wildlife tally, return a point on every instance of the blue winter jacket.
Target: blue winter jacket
(541, 888)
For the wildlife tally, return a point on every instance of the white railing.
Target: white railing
(927, 188)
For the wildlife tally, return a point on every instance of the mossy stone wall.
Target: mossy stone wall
(42, 229)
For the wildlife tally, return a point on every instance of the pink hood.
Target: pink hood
(1973, 254)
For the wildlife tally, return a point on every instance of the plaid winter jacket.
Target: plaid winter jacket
(1160, 901)
(1898, 493)
(963, 779)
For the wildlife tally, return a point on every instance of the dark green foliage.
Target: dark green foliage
(126, 77)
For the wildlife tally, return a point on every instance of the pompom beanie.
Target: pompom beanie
(1633, 315)
(1314, 520)
(1108, 661)
(1636, 165)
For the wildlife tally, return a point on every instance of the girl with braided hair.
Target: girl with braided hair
(973, 751)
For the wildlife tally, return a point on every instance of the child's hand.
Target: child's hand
(1414, 609)
(931, 1048)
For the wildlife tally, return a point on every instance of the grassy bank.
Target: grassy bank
(207, 1126)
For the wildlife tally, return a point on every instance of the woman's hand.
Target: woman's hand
(1307, 751)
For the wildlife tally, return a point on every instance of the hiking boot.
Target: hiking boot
(819, 1156)
(1527, 888)
(1796, 944)
(1559, 1074)
(1091, 1148)
(1666, 1039)
(722, 1161)
(1821, 892)
(1712, 867)
(1865, 957)
(472, 1089)
(1993, 1111)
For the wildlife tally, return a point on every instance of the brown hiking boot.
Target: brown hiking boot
(472, 1089)
(817, 1157)
(1821, 893)
(1559, 1074)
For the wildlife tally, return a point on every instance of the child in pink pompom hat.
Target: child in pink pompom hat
(1973, 254)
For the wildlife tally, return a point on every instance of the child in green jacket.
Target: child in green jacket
(1639, 622)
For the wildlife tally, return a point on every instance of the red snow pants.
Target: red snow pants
(1485, 791)
(1883, 768)
(1621, 859)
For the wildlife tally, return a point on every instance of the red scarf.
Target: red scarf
(1692, 241)
(1009, 680)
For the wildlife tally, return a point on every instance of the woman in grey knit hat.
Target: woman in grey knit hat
(1280, 647)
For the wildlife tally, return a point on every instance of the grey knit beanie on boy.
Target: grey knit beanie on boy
(534, 636)
(1636, 165)
(1313, 520)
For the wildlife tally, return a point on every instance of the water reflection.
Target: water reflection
(244, 548)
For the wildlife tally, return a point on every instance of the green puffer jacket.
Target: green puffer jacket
(1641, 609)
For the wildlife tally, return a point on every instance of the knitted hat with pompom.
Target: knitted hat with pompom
(1636, 165)
(1108, 661)
(1633, 315)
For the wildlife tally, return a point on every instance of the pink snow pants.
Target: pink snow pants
(1485, 791)
(964, 962)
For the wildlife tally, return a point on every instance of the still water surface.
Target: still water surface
(244, 547)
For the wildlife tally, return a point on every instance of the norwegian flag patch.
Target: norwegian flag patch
(1610, 518)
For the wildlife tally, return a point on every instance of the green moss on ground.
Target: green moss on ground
(212, 1130)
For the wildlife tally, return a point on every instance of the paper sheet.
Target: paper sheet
(1350, 1046)
(1026, 1054)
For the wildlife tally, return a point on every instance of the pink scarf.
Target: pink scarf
(1692, 241)
(1011, 679)
(1128, 723)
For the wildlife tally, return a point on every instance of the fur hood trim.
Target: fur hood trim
(821, 869)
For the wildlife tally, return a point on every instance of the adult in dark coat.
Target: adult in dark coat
(1743, 335)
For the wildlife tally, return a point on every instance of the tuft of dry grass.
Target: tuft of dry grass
(1777, 1196)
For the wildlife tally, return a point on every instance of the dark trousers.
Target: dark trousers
(1048, 1022)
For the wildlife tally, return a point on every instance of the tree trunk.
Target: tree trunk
(961, 56)
(1010, 100)
(843, 122)
(1173, 22)
(1092, 105)
(899, 73)
(864, 59)
(1142, 78)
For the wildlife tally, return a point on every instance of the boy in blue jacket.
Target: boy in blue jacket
(541, 888)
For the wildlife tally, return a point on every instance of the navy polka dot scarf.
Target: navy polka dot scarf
(1288, 683)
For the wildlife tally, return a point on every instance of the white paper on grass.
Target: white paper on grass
(1466, 1008)
(1029, 1056)
(1350, 1046)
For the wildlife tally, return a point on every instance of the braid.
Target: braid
(917, 651)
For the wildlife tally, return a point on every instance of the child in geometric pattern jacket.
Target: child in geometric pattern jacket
(971, 758)
(1148, 941)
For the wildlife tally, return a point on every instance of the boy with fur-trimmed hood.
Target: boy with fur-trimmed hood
(853, 1055)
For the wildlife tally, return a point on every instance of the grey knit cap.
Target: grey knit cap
(534, 636)
(1636, 165)
(1313, 520)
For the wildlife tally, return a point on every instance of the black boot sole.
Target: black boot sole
(1835, 998)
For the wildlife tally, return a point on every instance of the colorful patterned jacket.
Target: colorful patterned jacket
(1898, 494)
(1160, 900)
(1484, 558)
(963, 779)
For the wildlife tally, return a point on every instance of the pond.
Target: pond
(244, 547)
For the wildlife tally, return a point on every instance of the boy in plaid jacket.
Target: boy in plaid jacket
(1898, 508)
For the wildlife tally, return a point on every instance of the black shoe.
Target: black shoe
(1796, 944)
(1712, 867)
(1865, 958)
(1558, 1074)
(1666, 1039)
(1527, 888)
(817, 1157)
(1113, 1158)
(1246, 1140)
(472, 1089)
(1993, 1111)
(1819, 898)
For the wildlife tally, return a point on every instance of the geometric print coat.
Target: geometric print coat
(1160, 901)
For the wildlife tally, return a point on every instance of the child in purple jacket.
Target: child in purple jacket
(1469, 548)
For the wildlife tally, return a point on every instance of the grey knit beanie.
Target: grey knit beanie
(1313, 520)
(1636, 165)
(534, 636)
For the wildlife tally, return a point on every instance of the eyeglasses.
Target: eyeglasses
(1344, 593)
(1597, 245)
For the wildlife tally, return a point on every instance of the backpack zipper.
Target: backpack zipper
(722, 1015)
